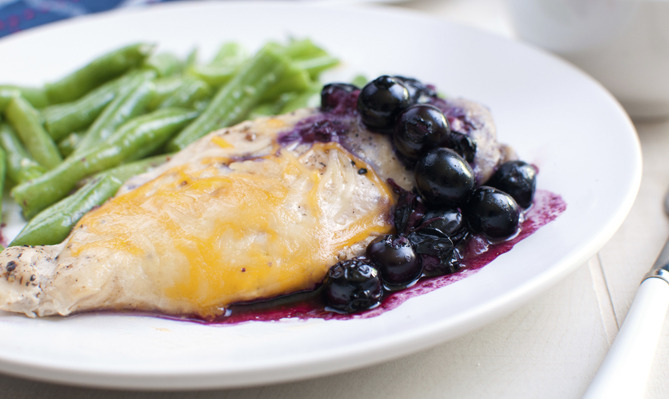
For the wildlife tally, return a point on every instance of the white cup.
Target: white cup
(622, 43)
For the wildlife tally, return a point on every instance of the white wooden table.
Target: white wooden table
(549, 348)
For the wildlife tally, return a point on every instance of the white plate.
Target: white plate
(555, 116)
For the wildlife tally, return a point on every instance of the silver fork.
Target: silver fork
(624, 371)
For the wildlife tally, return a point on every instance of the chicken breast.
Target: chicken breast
(240, 215)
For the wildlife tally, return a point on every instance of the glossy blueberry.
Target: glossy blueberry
(448, 222)
(334, 94)
(381, 101)
(419, 92)
(462, 144)
(437, 252)
(517, 178)
(493, 213)
(419, 128)
(444, 179)
(396, 260)
(352, 285)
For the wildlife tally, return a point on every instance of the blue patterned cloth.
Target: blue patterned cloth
(17, 15)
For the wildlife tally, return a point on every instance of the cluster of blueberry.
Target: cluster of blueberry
(446, 205)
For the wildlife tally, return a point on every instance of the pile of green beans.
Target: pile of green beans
(67, 147)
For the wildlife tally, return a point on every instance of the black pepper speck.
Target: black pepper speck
(11, 265)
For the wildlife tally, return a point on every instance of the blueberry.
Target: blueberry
(419, 128)
(437, 252)
(381, 101)
(448, 222)
(396, 260)
(493, 213)
(518, 179)
(419, 92)
(409, 209)
(352, 285)
(334, 94)
(444, 179)
(462, 144)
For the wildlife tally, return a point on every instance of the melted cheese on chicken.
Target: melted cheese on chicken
(210, 233)
(234, 218)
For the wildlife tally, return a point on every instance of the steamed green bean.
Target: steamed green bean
(63, 119)
(98, 71)
(187, 94)
(67, 145)
(6, 94)
(26, 121)
(21, 167)
(36, 96)
(132, 101)
(164, 64)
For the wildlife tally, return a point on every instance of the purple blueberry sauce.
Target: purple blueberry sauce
(325, 127)
(457, 116)
(333, 125)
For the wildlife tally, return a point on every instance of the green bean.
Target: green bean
(315, 66)
(201, 105)
(63, 119)
(214, 75)
(100, 70)
(300, 49)
(6, 94)
(34, 95)
(137, 138)
(288, 102)
(309, 57)
(26, 122)
(187, 94)
(296, 100)
(20, 165)
(222, 67)
(67, 145)
(131, 101)
(191, 58)
(163, 88)
(229, 54)
(253, 83)
(293, 79)
(180, 91)
(52, 225)
(164, 64)
(266, 108)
